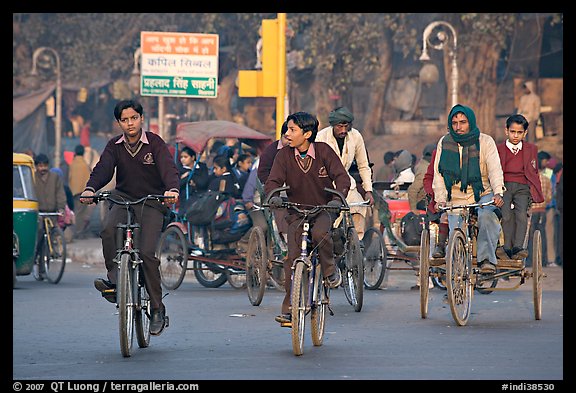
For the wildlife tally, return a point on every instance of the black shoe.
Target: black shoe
(158, 321)
(487, 267)
(519, 253)
(284, 318)
(106, 288)
(439, 251)
(503, 253)
(335, 279)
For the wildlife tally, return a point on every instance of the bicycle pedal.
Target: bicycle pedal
(286, 324)
(166, 321)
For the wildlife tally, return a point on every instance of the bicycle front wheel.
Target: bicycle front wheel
(424, 271)
(142, 309)
(299, 301)
(256, 262)
(374, 258)
(125, 298)
(56, 261)
(172, 251)
(319, 307)
(353, 276)
(458, 281)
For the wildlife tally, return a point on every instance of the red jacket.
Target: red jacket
(530, 155)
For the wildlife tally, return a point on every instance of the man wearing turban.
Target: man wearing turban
(348, 143)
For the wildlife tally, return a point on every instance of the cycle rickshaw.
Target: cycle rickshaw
(461, 271)
(391, 202)
(213, 262)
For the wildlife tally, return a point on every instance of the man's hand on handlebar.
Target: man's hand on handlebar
(87, 201)
(172, 197)
(334, 206)
(275, 202)
(370, 198)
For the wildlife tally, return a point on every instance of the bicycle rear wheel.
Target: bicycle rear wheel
(142, 309)
(299, 301)
(374, 258)
(353, 276)
(55, 262)
(256, 262)
(319, 307)
(458, 273)
(537, 274)
(172, 251)
(125, 298)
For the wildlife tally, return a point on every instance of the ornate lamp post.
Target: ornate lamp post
(438, 41)
(58, 141)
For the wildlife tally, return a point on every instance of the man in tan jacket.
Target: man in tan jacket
(78, 176)
(529, 107)
(348, 143)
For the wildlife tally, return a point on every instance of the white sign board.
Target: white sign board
(179, 64)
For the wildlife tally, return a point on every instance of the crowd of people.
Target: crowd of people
(464, 166)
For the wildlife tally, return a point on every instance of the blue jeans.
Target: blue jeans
(488, 229)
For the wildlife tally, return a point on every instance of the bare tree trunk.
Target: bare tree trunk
(375, 120)
(477, 83)
(221, 104)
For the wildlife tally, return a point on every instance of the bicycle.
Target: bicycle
(132, 298)
(310, 293)
(50, 259)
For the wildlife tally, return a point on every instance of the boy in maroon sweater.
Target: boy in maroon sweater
(143, 166)
(520, 166)
(307, 167)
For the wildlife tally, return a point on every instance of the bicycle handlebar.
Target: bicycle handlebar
(306, 209)
(444, 208)
(107, 196)
(50, 214)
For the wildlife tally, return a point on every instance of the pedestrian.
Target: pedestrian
(402, 165)
(348, 143)
(467, 170)
(77, 178)
(519, 164)
(530, 106)
(416, 191)
(143, 166)
(386, 172)
(538, 211)
(307, 167)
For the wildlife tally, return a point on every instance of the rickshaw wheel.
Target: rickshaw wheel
(537, 273)
(256, 261)
(172, 252)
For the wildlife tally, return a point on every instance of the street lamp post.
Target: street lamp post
(438, 41)
(58, 140)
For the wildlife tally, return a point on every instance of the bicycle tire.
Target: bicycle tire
(353, 274)
(256, 263)
(142, 309)
(319, 307)
(56, 262)
(236, 279)
(299, 302)
(424, 271)
(537, 273)
(374, 258)
(172, 251)
(458, 273)
(125, 299)
(209, 275)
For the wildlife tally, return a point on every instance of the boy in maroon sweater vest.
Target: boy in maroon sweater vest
(520, 166)
(307, 167)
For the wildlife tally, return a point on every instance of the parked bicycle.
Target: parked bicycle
(50, 259)
(132, 298)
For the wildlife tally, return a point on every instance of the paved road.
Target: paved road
(68, 332)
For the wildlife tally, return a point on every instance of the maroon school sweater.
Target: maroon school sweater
(151, 171)
(307, 185)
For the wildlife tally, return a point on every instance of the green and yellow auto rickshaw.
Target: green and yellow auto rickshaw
(24, 214)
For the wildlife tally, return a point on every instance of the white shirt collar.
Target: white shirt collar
(514, 148)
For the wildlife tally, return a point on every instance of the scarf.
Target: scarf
(449, 165)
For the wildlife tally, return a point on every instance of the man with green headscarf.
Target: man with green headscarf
(467, 170)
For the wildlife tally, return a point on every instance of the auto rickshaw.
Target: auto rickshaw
(24, 214)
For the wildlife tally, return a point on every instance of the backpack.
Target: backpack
(411, 227)
(231, 221)
(202, 211)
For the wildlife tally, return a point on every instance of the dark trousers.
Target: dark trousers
(515, 221)
(151, 220)
(320, 228)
